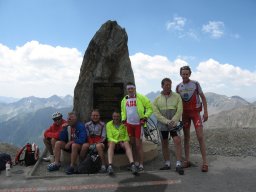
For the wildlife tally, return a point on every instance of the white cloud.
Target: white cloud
(43, 70)
(177, 23)
(37, 69)
(213, 76)
(214, 28)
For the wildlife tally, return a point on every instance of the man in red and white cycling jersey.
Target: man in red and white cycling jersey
(192, 95)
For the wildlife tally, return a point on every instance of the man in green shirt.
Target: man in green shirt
(117, 135)
(168, 110)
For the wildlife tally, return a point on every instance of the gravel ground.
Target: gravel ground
(227, 142)
(239, 142)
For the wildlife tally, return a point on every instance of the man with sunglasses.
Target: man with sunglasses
(51, 135)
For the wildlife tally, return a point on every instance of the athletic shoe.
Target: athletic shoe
(70, 170)
(50, 158)
(141, 169)
(134, 169)
(165, 167)
(110, 170)
(103, 169)
(47, 159)
(53, 167)
(180, 170)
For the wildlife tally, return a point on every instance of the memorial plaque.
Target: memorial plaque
(107, 98)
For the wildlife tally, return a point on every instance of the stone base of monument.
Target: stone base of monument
(65, 158)
(120, 160)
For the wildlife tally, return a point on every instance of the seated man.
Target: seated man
(72, 137)
(51, 135)
(117, 135)
(96, 132)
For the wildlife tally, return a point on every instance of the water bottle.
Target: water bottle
(8, 169)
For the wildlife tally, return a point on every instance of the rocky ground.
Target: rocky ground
(227, 142)
(224, 142)
(9, 149)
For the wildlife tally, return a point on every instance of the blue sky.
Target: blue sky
(42, 39)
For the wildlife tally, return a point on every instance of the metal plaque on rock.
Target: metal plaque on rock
(107, 98)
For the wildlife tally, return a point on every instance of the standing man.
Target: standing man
(51, 135)
(72, 138)
(136, 109)
(96, 132)
(168, 110)
(117, 136)
(191, 92)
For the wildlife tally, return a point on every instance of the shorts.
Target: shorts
(165, 134)
(119, 148)
(135, 131)
(194, 116)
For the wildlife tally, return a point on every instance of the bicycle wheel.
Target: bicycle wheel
(151, 131)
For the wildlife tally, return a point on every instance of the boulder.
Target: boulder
(105, 70)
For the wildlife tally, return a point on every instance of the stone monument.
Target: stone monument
(105, 70)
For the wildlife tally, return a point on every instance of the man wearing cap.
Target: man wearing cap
(51, 135)
(72, 137)
(135, 110)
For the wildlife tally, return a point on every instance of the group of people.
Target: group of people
(125, 130)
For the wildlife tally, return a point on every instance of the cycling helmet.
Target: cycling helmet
(56, 115)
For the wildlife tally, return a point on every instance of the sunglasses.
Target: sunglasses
(57, 119)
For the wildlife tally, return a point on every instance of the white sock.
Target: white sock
(103, 167)
(168, 163)
(137, 164)
(178, 163)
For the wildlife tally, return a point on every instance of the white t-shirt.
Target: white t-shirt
(131, 112)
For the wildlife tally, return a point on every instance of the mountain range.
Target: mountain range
(26, 119)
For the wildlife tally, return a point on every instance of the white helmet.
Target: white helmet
(56, 115)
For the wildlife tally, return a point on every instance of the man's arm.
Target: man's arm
(158, 115)
(203, 98)
(179, 110)
(148, 107)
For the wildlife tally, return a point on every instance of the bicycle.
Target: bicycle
(151, 131)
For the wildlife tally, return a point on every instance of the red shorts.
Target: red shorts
(134, 131)
(95, 139)
(187, 116)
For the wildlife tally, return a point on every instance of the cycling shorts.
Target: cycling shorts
(165, 134)
(189, 116)
(134, 131)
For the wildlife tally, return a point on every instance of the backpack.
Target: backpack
(28, 155)
(4, 158)
(90, 165)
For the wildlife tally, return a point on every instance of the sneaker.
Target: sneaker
(110, 170)
(180, 170)
(102, 169)
(134, 169)
(70, 170)
(47, 159)
(141, 169)
(53, 167)
(165, 167)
